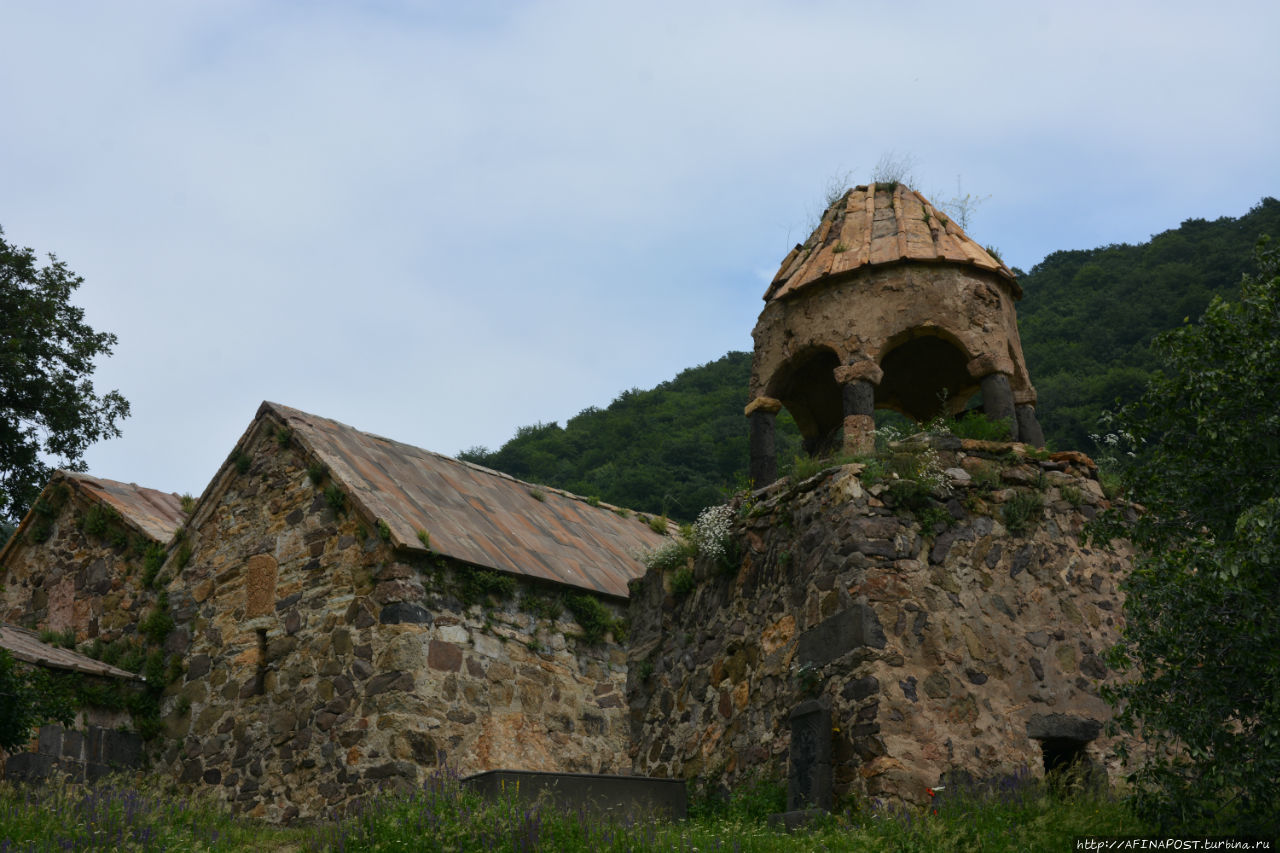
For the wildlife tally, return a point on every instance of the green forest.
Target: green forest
(1086, 320)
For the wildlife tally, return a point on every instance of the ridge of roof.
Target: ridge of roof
(27, 646)
(875, 225)
(475, 514)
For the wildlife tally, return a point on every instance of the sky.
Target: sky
(440, 221)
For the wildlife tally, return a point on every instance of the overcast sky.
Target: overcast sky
(442, 221)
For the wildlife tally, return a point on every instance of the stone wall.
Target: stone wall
(323, 665)
(59, 578)
(960, 648)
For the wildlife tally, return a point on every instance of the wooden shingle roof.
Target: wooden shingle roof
(880, 224)
(475, 514)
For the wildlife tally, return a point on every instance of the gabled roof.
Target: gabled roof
(475, 514)
(156, 515)
(26, 646)
(873, 225)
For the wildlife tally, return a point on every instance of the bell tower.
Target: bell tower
(887, 305)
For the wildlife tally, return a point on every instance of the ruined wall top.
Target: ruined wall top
(880, 224)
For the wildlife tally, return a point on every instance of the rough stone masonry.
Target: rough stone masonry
(960, 648)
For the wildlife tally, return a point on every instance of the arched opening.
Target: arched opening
(807, 387)
(925, 375)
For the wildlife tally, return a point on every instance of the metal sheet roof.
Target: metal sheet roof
(475, 514)
(26, 646)
(157, 514)
(872, 225)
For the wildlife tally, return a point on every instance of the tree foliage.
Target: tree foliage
(1088, 317)
(1202, 640)
(29, 697)
(48, 407)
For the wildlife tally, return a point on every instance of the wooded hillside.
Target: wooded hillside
(1086, 321)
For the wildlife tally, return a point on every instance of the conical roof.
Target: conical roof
(880, 224)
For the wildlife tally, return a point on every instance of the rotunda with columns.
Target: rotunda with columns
(887, 305)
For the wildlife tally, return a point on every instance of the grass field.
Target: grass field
(1019, 814)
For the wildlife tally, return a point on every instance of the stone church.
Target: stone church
(349, 612)
(338, 612)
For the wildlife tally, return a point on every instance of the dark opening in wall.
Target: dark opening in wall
(1062, 753)
(260, 681)
(1063, 739)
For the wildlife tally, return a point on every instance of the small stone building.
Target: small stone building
(887, 305)
(355, 612)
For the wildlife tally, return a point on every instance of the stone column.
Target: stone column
(992, 373)
(858, 394)
(1028, 426)
(764, 455)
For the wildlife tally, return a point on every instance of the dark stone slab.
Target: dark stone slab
(809, 782)
(29, 767)
(854, 628)
(634, 797)
(50, 740)
(120, 749)
(1063, 727)
(73, 745)
(404, 611)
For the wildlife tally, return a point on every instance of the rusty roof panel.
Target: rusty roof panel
(26, 646)
(882, 226)
(475, 514)
(156, 514)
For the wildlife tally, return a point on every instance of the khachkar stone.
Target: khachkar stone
(887, 305)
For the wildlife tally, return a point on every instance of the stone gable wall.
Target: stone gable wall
(323, 666)
(70, 580)
(936, 652)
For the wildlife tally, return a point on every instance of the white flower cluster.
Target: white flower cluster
(711, 530)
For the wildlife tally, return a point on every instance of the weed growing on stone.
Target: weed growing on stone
(594, 618)
(1072, 495)
(658, 524)
(1022, 512)
(683, 582)
(479, 584)
(384, 531)
(241, 460)
(316, 472)
(538, 495)
(335, 498)
(425, 538)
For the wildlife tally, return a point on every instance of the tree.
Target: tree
(48, 407)
(29, 697)
(1202, 640)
